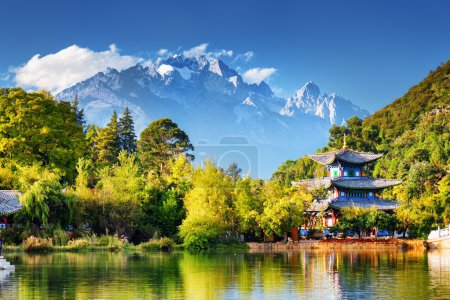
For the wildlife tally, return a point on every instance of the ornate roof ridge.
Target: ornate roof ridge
(343, 150)
(344, 154)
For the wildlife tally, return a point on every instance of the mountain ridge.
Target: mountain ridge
(209, 100)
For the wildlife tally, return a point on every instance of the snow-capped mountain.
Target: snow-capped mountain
(210, 100)
(332, 108)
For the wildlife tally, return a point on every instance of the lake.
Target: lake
(309, 274)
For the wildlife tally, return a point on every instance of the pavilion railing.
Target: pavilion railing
(439, 233)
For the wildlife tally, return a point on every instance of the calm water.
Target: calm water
(304, 275)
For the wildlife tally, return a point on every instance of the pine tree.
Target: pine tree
(91, 139)
(79, 112)
(126, 132)
(108, 142)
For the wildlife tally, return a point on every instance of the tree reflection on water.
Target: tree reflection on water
(183, 275)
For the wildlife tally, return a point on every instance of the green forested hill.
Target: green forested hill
(406, 112)
(414, 134)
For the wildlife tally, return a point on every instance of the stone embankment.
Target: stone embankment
(283, 246)
(344, 244)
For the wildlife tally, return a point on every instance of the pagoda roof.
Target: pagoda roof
(361, 183)
(366, 204)
(366, 184)
(346, 155)
(321, 205)
(9, 202)
(313, 184)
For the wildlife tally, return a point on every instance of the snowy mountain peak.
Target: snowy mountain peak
(309, 91)
(309, 100)
(249, 101)
(214, 67)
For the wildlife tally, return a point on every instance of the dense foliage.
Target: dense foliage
(34, 128)
(358, 220)
(104, 182)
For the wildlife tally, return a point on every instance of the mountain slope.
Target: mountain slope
(406, 112)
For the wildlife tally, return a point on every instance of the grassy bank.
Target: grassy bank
(114, 243)
(90, 243)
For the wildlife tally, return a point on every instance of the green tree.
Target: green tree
(378, 219)
(85, 178)
(248, 205)
(302, 168)
(407, 217)
(91, 137)
(209, 208)
(107, 143)
(126, 132)
(354, 219)
(283, 208)
(35, 128)
(80, 120)
(44, 203)
(121, 189)
(161, 142)
(233, 171)
(163, 208)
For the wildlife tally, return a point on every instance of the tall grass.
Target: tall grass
(162, 244)
(60, 237)
(37, 244)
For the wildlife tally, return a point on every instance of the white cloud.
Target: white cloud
(223, 52)
(245, 57)
(164, 69)
(279, 92)
(60, 70)
(5, 76)
(199, 50)
(256, 75)
(248, 55)
(196, 51)
(162, 52)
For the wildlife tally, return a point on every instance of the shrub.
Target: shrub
(60, 237)
(163, 244)
(37, 244)
(199, 234)
(112, 242)
(11, 236)
(78, 244)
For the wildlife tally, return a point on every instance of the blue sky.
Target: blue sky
(369, 52)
